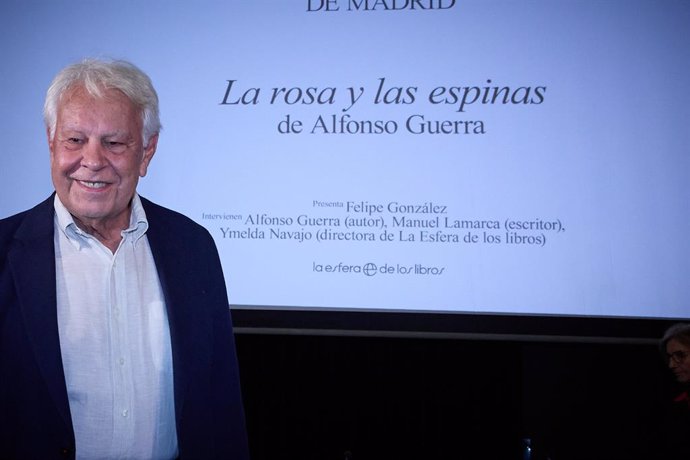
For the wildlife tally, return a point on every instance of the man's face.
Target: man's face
(97, 156)
(679, 360)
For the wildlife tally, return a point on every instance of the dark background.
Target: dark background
(312, 396)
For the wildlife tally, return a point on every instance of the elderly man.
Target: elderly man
(115, 333)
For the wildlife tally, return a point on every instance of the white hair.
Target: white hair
(95, 76)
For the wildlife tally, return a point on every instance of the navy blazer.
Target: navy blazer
(35, 421)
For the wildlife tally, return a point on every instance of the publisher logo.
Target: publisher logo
(371, 269)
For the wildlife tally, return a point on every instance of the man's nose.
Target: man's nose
(93, 155)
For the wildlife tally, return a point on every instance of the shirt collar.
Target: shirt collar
(138, 224)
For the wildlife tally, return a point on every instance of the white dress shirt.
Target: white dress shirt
(115, 342)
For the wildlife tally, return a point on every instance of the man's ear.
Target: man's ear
(149, 151)
(50, 141)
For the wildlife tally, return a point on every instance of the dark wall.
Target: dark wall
(316, 397)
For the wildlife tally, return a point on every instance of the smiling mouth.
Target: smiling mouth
(93, 184)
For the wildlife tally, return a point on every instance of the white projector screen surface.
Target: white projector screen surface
(520, 157)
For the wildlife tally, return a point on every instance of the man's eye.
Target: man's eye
(115, 146)
(74, 140)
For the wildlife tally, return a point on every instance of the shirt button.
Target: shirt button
(125, 413)
(122, 361)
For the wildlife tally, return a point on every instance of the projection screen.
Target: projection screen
(438, 156)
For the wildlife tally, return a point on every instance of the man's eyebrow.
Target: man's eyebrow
(115, 134)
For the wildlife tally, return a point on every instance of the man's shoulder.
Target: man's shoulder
(174, 237)
(8, 231)
(30, 222)
(162, 219)
(161, 213)
(10, 224)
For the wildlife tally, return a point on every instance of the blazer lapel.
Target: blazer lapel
(187, 331)
(32, 262)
